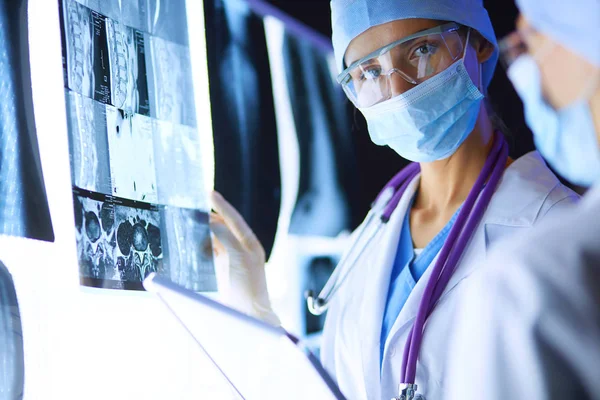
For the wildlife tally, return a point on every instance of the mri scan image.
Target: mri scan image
(119, 242)
(126, 50)
(139, 248)
(131, 155)
(178, 163)
(136, 166)
(86, 48)
(96, 238)
(188, 250)
(88, 143)
(169, 77)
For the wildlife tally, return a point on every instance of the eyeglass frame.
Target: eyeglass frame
(505, 47)
(444, 28)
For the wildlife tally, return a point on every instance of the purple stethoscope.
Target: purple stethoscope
(468, 218)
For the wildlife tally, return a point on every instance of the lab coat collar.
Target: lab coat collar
(592, 197)
(371, 313)
(528, 176)
(504, 209)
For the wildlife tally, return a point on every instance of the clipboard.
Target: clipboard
(258, 360)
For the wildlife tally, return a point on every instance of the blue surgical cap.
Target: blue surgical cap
(350, 18)
(573, 24)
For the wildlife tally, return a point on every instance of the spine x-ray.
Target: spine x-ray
(24, 207)
(243, 113)
(136, 167)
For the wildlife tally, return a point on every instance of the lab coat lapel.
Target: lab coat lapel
(475, 251)
(411, 307)
(378, 267)
(471, 259)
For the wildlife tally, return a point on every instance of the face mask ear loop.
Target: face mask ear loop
(467, 44)
(481, 80)
(479, 65)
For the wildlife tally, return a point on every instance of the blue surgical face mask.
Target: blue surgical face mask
(567, 137)
(430, 121)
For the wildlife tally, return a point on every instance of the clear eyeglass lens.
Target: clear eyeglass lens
(415, 61)
(511, 47)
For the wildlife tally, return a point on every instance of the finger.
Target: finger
(225, 236)
(207, 248)
(215, 218)
(217, 246)
(235, 221)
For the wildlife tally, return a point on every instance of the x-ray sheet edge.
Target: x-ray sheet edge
(156, 284)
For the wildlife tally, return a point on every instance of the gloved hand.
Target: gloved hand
(240, 260)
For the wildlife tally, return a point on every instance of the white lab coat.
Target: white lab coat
(529, 325)
(350, 350)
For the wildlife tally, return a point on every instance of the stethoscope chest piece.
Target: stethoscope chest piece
(408, 391)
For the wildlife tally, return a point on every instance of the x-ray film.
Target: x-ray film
(162, 18)
(135, 150)
(188, 250)
(178, 166)
(96, 238)
(24, 209)
(88, 69)
(131, 155)
(118, 240)
(129, 13)
(88, 144)
(78, 37)
(166, 19)
(129, 88)
(169, 77)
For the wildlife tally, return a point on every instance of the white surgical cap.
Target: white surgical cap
(350, 18)
(573, 24)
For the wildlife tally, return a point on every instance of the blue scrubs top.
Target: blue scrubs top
(407, 270)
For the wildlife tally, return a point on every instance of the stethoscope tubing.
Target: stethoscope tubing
(385, 204)
(453, 249)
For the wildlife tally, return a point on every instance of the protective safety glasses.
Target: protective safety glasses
(414, 58)
(523, 41)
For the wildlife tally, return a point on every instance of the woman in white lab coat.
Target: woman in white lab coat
(418, 71)
(529, 324)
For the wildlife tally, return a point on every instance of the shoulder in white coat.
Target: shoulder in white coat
(527, 192)
(530, 323)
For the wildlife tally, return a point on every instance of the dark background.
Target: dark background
(376, 164)
(247, 164)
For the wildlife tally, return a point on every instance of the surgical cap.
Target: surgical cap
(573, 24)
(350, 18)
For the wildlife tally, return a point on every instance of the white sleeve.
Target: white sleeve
(529, 323)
